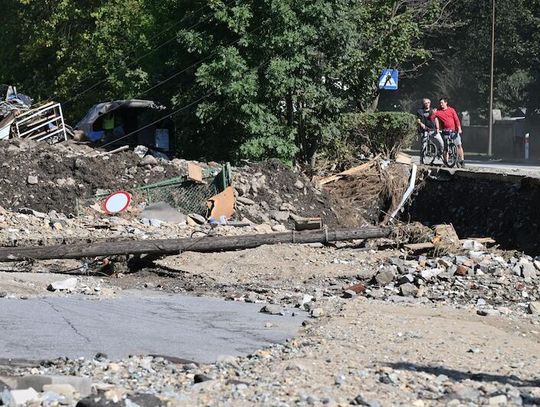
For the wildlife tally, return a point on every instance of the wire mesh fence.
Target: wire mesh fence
(186, 195)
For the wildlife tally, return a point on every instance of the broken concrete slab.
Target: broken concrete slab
(83, 385)
(68, 284)
(15, 398)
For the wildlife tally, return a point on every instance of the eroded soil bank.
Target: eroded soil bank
(504, 207)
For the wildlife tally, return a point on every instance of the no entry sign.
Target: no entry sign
(116, 202)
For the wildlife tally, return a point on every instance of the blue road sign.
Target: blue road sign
(389, 79)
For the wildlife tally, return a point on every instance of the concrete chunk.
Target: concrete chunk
(83, 385)
(67, 284)
(15, 398)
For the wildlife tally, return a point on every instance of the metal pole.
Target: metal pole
(490, 146)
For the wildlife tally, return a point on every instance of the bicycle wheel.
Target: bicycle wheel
(452, 155)
(430, 153)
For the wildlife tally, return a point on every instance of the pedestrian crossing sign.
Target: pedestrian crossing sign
(389, 79)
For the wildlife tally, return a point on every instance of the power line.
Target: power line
(161, 45)
(175, 111)
(195, 63)
(198, 62)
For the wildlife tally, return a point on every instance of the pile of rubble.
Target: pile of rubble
(56, 177)
(495, 282)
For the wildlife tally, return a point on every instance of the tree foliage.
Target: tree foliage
(248, 78)
(281, 73)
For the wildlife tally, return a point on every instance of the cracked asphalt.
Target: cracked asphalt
(138, 323)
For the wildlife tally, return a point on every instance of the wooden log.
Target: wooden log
(301, 223)
(176, 246)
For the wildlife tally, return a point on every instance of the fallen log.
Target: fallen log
(176, 246)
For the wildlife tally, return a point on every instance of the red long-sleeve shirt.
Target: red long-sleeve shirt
(448, 119)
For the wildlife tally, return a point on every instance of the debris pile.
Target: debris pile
(271, 193)
(57, 177)
(20, 119)
(489, 280)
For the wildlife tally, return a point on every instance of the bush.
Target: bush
(384, 133)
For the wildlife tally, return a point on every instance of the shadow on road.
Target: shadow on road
(458, 376)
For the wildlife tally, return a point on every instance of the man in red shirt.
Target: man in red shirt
(446, 118)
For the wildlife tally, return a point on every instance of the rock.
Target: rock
(498, 400)
(317, 312)
(516, 270)
(83, 385)
(263, 228)
(340, 379)
(68, 284)
(148, 160)
(488, 312)
(473, 245)
(386, 276)
(464, 393)
(14, 398)
(163, 212)
(143, 400)
(407, 278)
(428, 274)
(32, 180)
(408, 290)
(66, 390)
(299, 184)
(279, 228)
(534, 308)
(357, 288)
(528, 271)
(272, 309)
(197, 218)
(199, 378)
(28, 211)
(280, 216)
(245, 201)
(140, 151)
(97, 401)
(349, 294)
(461, 270)
(287, 207)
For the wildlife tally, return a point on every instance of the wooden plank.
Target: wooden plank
(349, 172)
(176, 246)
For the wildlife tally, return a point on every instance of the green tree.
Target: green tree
(279, 74)
(61, 48)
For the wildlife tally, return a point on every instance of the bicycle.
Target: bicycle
(430, 150)
(450, 155)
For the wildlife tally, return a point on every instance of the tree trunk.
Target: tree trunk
(176, 246)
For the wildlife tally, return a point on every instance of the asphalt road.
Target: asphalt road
(531, 169)
(193, 328)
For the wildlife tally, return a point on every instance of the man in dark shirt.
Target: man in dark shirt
(423, 119)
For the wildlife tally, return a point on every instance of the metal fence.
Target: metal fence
(186, 195)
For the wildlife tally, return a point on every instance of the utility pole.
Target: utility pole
(490, 146)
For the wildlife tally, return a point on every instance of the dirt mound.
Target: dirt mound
(44, 177)
(277, 192)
